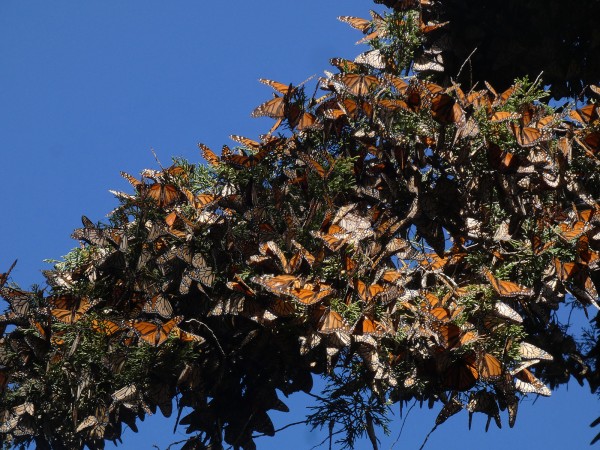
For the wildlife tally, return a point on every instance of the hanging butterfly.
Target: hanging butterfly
(446, 110)
(20, 301)
(279, 284)
(186, 336)
(484, 401)
(97, 426)
(490, 368)
(158, 305)
(361, 25)
(372, 58)
(200, 201)
(245, 161)
(4, 276)
(309, 294)
(461, 375)
(70, 309)
(368, 294)
(356, 84)
(526, 382)
(331, 321)
(101, 237)
(162, 193)
(104, 326)
(507, 288)
(527, 136)
(507, 162)
(209, 155)
(154, 333)
(500, 99)
(367, 326)
(585, 115)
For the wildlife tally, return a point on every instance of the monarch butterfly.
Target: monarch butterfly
(200, 201)
(98, 426)
(306, 255)
(19, 301)
(367, 294)
(186, 336)
(158, 305)
(452, 407)
(485, 402)
(461, 375)
(154, 333)
(362, 25)
(490, 367)
(507, 288)
(506, 162)
(570, 232)
(345, 65)
(203, 274)
(585, 115)
(445, 110)
(366, 326)
(311, 294)
(278, 107)
(373, 58)
(501, 309)
(331, 322)
(4, 276)
(334, 239)
(530, 351)
(125, 394)
(209, 155)
(526, 382)
(526, 136)
(104, 326)
(279, 284)
(398, 83)
(429, 27)
(101, 237)
(282, 308)
(272, 249)
(246, 161)
(240, 286)
(503, 116)
(500, 100)
(71, 309)
(163, 194)
(357, 84)
(161, 394)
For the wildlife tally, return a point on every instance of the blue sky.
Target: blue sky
(89, 88)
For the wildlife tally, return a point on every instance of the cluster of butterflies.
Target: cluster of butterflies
(405, 229)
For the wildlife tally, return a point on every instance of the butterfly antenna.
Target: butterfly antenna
(156, 158)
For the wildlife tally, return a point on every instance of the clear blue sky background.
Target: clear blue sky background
(88, 88)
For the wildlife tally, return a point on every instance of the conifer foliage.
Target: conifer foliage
(407, 239)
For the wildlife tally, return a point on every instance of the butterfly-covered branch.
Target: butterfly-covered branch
(406, 239)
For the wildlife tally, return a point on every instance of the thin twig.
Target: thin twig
(463, 64)
(324, 440)
(254, 436)
(403, 423)
(211, 332)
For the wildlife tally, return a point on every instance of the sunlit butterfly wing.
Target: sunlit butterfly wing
(507, 288)
(19, 301)
(154, 333)
(158, 305)
(526, 382)
(4, 276)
